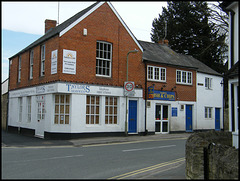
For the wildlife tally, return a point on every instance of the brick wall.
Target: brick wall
(183, 92)
(101, 25)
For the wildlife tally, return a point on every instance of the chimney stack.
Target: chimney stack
(163, 42)
(49, 24)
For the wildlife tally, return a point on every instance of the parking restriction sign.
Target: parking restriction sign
(129, 88)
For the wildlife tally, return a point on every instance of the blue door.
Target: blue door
(217, 119)
(189, 118)
(132, 117)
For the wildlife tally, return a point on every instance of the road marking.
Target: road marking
(132, 173)
(129, 142)
(37, 147)
(51, 158)
(139, 149)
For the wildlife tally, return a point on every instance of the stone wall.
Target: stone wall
(221, 155)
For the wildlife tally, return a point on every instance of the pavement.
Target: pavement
(18, 140)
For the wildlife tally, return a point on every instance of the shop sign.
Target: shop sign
(69, 61)
(160, 95)
(54, 62)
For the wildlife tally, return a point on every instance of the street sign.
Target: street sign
(129, 88)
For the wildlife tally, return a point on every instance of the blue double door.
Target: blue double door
(132, 117)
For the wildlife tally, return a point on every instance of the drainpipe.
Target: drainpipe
(146, 131)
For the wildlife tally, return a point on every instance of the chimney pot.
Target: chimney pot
(49, 24)
(163, 42)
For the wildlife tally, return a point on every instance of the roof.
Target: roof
(233, 71)
(69, 23)
(162, 54)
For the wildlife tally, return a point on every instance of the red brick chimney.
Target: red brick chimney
(163, 42)
(50, 24)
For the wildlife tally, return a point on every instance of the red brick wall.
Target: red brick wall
(183, 92)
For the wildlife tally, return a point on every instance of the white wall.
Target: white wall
(209, 98)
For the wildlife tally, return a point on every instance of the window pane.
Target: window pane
(66, 109)
(88, 99)
(115, 119)
(87, 119)
(62, 99)
(56, 108)
(67, 119)
(56, 119)
(97, 120)
(56, 98)
(67, 99)
(62, 109)
(106, 119)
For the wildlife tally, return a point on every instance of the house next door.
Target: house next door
(132, 117)
(217, 119)
(189, 118)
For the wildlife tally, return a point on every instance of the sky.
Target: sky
(23, 22)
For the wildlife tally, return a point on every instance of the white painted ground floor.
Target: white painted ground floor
(70, 110)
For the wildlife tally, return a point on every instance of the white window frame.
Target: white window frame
(155, 73)
(183, 77)
(19, 68)
(29, 106)
(111, 110)
(208, 83)
(43, 60)
(103, 58)
(208, 112)
(31, 65)
(93, 110)
(60, 117)
(20, 101)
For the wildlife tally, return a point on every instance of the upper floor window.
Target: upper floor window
(103, 59)
(42, 60)
(156, 73)
(19, 68)
(31, 65)
(208, 83)
(184, 77)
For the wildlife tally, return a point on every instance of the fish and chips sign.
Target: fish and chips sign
(160, 95)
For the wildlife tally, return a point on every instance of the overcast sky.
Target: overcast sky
(29, 17)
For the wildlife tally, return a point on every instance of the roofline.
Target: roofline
(80, 19)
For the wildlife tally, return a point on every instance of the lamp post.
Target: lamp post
(126, 123)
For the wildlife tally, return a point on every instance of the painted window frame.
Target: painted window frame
(155, 73)
(111, 110)
(19, 68)
(29, 107)
(93, 110)
(208, 83)
(62, 109)
(184, 77)
(20, 109)
(43, 50)
(208, 112)
(31, 64)
(103, 59)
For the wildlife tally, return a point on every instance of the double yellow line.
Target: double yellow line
(129, 174)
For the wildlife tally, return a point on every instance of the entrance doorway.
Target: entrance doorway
(189, 118)
(132, 117)
(161, 119)
(217, 119)
(39, 131)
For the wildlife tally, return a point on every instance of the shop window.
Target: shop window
(62, 109)
(111, 105)
(92, 110)
(29, 105)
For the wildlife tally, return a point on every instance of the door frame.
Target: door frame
(189, 120)
(161, 121)
(219, 117)
(136, 121)
(40, 122)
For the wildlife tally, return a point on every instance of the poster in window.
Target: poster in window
(54, 62)
(69, 62)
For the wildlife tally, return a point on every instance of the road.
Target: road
(147, 159)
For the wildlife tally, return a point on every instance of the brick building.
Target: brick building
(70, 82)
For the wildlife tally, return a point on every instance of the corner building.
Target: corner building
(70, 82)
